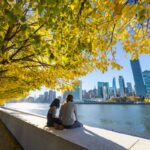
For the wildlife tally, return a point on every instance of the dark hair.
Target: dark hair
(56, 102)
(69, 98)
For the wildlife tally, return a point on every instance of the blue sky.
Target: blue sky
(91, 79)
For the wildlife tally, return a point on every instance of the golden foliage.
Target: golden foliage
(147, 100)
(53, 43)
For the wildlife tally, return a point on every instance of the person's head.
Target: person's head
(69, 98)
(56, 103)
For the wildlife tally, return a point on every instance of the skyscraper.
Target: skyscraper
(95, 92)
(46, 97)
(111, 91)
(66, 93)
(77, 93)
(146, 78)
(52, 95)
(106, 90)
(138, 79)
(103, 90)
(114, 86)
(100, 89)
(122, 86)
(129, 89)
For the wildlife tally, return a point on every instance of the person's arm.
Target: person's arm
(60, 113)
(54, 112)
(75, 112)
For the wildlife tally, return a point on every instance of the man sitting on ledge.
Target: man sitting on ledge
(68, 114)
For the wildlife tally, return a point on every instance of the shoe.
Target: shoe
(56, 126)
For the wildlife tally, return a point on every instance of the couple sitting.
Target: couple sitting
(67, 116)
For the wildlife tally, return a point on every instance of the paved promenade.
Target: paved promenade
(87, 137)
(7, 141)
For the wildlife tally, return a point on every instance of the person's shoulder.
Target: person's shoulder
(71, 103)
(63, 105)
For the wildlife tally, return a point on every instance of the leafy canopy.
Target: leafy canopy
(54, 42)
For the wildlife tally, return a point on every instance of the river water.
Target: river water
(129, 119)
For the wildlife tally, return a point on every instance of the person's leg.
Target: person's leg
(57, 120)
(49, 120)
(57, 124)
(76, 124)
(50, 123)
(67, 127)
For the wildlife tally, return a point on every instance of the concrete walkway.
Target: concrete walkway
(7, 141)
(87, 137)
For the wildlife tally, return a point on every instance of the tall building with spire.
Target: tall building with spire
(122, 86)
(138, 79)
(114, 87)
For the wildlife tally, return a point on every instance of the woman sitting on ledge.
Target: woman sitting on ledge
(68, 114)
(52, 120)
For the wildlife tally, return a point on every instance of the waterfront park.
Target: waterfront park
(54, 43)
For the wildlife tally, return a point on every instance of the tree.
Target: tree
(53, 42)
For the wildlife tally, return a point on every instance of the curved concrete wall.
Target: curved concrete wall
(31, 137)
(29, 131)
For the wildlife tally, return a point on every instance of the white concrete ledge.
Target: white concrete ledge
(31, 133)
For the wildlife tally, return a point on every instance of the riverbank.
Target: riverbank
(126, 119)
(31, 133)
(90, 102)
(116, 103)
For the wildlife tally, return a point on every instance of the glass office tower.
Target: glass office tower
(138, 79)
(146, 77)
(122, 86)
(114, 87)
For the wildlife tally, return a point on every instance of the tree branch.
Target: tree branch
(147, 27)
(21, 59)
(112, 35)
(8, 33)
(17, 31)
(81, 9)
(36, 66)
(14, 54)
(6, 37)
(38, 28)
(2, 71)
(24, 43)
(8, 48)
(9, 77)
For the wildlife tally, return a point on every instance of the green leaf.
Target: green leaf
(12, 18)
(141, 16)
(24, 27)
(23, 19)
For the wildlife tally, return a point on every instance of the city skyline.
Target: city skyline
(90, 80)
(104, 91)
(94, 80)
